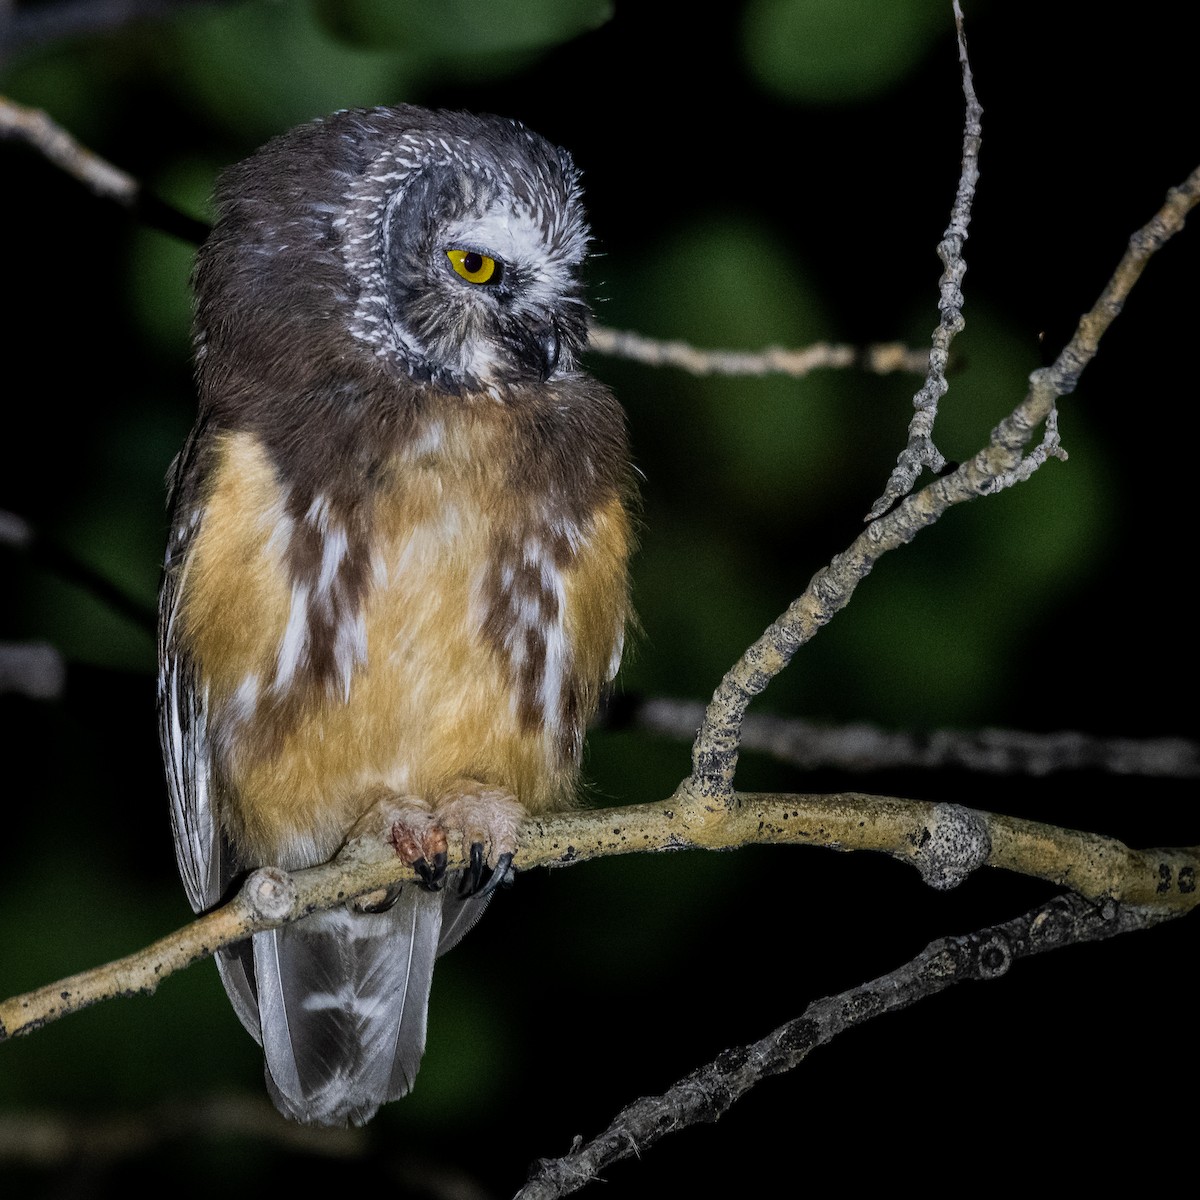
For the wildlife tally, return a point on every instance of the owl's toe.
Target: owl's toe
(432, 871)
(480, 879)
(487, 819)
(472, 877)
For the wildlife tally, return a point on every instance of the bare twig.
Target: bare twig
(33, 669)
(50, 1139)
(709, 1092)
(36, 129)
(32, 25)
(861, 747)
(15, 531)
(880, 359)
(943, 841)
(920, 452)
(18, 534)
(997, 465)
(98, 175)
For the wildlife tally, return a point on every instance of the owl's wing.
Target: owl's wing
(203, 856)
(182, 721)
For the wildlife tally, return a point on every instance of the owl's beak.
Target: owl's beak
(551, 349)
(542, 350)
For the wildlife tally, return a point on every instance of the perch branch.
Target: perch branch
(996, 466)
(945, 842)
(710, 1091)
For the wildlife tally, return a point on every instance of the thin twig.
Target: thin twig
(98, 175)
(38, 24)
(46, 1139)
(880, 359)
(945, 842)
(36, 129)
(862, 747)
(920, 453)
(997, 465)
(33, 669)
(709, 1092)
(18, 534)
(15, 531)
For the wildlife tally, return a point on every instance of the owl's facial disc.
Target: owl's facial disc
(463, 247)
(479, 293)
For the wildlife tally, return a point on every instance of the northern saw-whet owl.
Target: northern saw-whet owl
(396, 582)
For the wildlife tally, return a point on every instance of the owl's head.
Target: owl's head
(447, 246)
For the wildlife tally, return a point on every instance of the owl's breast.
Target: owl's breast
(456, 625)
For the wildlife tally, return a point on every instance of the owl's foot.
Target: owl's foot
(417, 837)
(487, 819)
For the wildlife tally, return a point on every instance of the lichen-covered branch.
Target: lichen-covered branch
(996, 466)
(920, 453)
(859, 746)
(881, 359)
(945, 842)
(709, 1092)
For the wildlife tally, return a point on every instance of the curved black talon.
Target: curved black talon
(496, 876)
(473, 876)
(390, 896)
(432, 874)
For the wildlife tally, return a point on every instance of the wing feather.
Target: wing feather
(183, 726)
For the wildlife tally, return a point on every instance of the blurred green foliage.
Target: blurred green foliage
(831, 52)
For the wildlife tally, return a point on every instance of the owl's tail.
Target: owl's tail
(339, 1001)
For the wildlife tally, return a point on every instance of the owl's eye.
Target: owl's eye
(474, 267)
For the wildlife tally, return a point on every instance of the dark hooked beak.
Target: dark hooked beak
(551, 347)
(540, 350)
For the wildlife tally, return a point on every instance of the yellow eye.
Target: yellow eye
(473, 266)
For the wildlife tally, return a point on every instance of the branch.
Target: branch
(54, 1139)
(35, 129)
(881, 359)
(998, 465)
(33, 25)
(18, 534)
(33, 669)
(945, 842)
(920, 451)
(709, 1092)
(861, 747)
(103, 179)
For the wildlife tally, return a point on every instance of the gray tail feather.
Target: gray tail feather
(339, 1001)
(342, 1000)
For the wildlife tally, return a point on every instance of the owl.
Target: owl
(397, 575)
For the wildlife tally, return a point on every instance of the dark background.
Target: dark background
(758, 173)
